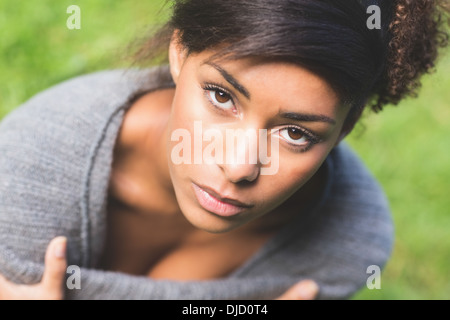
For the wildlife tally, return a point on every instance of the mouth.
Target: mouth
(213, 202)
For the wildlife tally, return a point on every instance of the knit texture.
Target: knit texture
(56, 153)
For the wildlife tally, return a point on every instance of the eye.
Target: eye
(295, 136)
(220, 99)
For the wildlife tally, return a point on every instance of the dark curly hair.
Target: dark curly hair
(416, 33)
(366, 67)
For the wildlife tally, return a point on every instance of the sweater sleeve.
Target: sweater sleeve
(118, 286)
(45, 147)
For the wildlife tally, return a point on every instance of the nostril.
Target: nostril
(241, 173)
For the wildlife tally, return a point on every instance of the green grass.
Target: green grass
(38, 50)
(406, 147)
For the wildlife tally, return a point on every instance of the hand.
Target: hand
(51, 285)
(303, 290)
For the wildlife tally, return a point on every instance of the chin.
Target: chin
(209, 222)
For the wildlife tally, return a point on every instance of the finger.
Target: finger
(5, 286)
(304, 290)
(55, 267)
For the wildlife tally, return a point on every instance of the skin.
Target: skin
(138, 241)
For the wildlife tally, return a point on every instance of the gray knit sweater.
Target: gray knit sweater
(55, 162)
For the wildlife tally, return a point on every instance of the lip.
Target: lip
(213, 202)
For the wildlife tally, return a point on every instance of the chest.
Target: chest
(206, 261)
(162, 250)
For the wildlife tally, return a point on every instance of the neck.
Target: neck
(163, 176)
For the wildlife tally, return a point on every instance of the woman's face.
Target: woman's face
(218, 183)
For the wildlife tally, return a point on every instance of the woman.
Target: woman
(134, 169)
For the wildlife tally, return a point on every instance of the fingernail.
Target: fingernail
(308, 290)
(60, 248)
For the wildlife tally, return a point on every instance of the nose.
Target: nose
(241, 162)
(241, 172)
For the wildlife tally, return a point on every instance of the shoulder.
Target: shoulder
(92, 94)
(353, 185)
(57, 129)
(56, 158)
(146, 119)
(356, 207)
(353, 228)
(70, 118)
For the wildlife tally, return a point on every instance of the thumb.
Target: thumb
(55, 267)
(303, 290)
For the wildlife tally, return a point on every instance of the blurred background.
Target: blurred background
(407, 147)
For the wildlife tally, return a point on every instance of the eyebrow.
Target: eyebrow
(306, 117)
(231, 80)
(302, 117)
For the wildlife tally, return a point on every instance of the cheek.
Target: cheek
(187, 109)
(295, 170)
(189, 101)
(184, 108)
